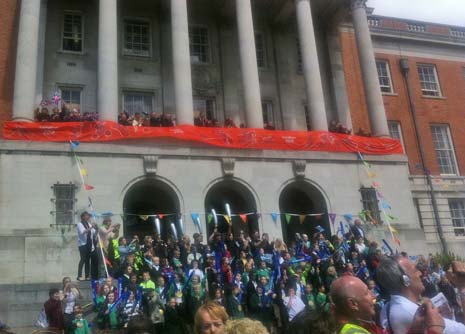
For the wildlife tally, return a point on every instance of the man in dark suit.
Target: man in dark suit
(357, 230)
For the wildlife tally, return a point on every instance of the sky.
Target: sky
(438, 11)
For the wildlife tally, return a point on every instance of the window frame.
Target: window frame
(70, 200)
(152, 94)
(300, 58)
(388, 76)
(264, 52)
(461, 217)
(451, 149)
(72, 88)
(128, 52)
(370, 202)
(77, 13)
(399, 130)
(212, 99)
(438, 91)
(269, 105)
(209, 45)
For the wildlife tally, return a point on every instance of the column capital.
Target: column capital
(356, 4)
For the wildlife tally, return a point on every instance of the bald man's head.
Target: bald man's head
(352, 298)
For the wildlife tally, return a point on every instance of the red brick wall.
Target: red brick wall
(8, 37)
(447, 110)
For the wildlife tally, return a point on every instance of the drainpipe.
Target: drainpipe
(404, 65)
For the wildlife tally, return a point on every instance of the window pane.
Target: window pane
(260, 49)
(384, 76)
(64, 203)
(444, 151)
(72, 32)
(137, 38)
(138, 103)
(428, 80)
(457, 213)
(370, 203)
(199, 44)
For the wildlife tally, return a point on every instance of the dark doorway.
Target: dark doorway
(241, 201)
(149, 197)
(302, 198)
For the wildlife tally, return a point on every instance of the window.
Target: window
(374, 22)
(429, 80)
(444, 150)
(199, 44)
(457, 213)
(138, 102)
(71, 97)
(416, 202)
(64, 203)
(384, 76)
(260, 48)
(307, 117)
(457, 33)
(72, 32)
(370, 203)
(299, 56)
(395, 132)
(268, 115)
(205, 106)
(136, 38)
(416, 27)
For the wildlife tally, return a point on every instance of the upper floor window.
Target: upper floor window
(136, 38)
(457, 33)
(64, 203)
(444, 150)
(71, 97)
(260, 47)
(199, 44)
(268, 115)
(73, 31)
(370, 203)
(384, 76)
(418, 27)
(299, 56)
(395, 132)
(373, 21)
(204, 111)
(457, 213)
(138, 102)
(429, 80)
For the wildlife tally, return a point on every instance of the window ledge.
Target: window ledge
(72, 53)
(434, 97)
(139, 58)
(390, 94)
(202, 64)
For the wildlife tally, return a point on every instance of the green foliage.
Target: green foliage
(445, 259)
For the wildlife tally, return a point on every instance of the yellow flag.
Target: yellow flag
(302, 218)
(228, 219)
(144, 217)
(371, 174)
(392, 229)
(83, 172)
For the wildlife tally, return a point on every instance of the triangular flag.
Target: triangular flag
(209, 218)
(194, 216)
(161, 216)
(228, 219)
(302, 218)
(366, 164)
(385, 205)
(348, 216)
(391, 217)
(274, 216)
(88, 186)
(144, 217)
(371, 174)
(392, 229)
(376, 184)
(244, 218)
(359, 156)
(319, 229)
(73, 144)
(288, 217)
(332, 217)
(83, 171)
(396, 239)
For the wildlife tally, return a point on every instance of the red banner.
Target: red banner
(236, 138)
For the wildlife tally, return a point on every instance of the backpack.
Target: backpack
(42, 321)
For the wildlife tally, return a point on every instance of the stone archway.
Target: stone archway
(301, 197)
(241, 200)
(149, 197)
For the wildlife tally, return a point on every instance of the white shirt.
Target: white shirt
(294, 306)
(82, 234)
(401, 314)
(196, 272)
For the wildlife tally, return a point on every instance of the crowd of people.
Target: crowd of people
(63, 114)
(345, 284)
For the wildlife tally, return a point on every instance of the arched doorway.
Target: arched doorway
(302, 198)
(241, 201)
(149, 197)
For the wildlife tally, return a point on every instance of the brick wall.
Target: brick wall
(8, 37)
(449, 109)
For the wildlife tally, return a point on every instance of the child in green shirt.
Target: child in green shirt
(79, 324)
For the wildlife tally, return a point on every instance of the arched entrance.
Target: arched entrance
(302, 198)
(149, 197)
(241, 201)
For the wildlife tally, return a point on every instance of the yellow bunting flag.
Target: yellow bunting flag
(392, 229)
(83, 172)
(228, 219)
(302, 218)
(144, 217)
(371, 174)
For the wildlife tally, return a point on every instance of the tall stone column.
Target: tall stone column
(311, 67)
(249, 68)
(41, 53)
(107, 91)
(373, 95)
(26, 60)
(182, 77)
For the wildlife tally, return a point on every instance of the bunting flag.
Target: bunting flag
(288, 217)
(74, 144)
(392, 229)
(144, 217)
(385, 205)
(209, 218)
(376, 184)
(348, 216)
(396, 239)
(88, 186)
(244, 218)
(228, 219)
(332, 217)
(160, 215)
(83, 172)
(302, 218)
(371, 174)
(274, 216)
(319, 229)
